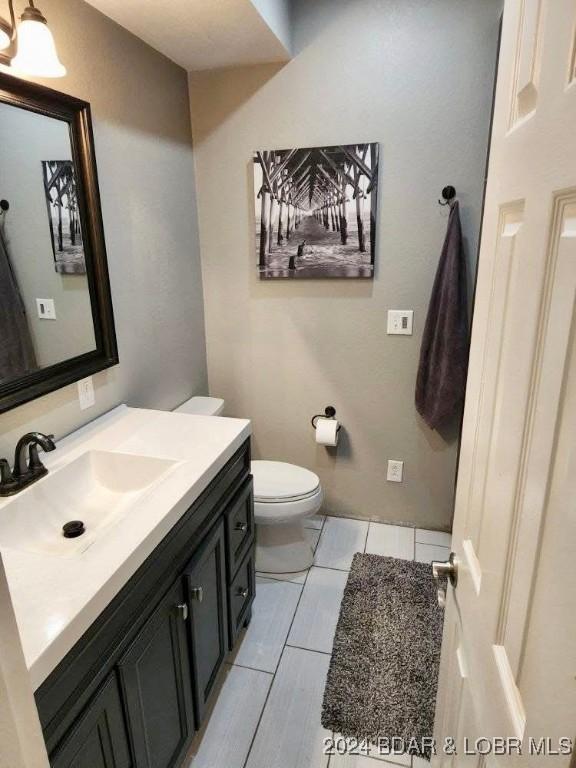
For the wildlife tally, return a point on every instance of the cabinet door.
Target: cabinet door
(155, 674)
(206, 580)
(99, 738)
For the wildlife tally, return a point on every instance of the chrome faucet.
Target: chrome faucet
(27, 465)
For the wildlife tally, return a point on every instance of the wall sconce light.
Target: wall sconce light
(28, 47)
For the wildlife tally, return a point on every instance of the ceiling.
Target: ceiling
(206, 34)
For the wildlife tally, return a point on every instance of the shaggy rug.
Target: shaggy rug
(383, 674)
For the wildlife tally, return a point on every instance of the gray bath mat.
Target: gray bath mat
(383, 674)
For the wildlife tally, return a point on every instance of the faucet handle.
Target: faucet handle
(8, 483)
(6, 475)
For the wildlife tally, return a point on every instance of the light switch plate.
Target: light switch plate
(400, 321)
(395, 471)
(86, 394)
(46, 309)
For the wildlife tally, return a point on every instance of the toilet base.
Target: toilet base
(282, 548)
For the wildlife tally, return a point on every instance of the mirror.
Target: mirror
(56, 321)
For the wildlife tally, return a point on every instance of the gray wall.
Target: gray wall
(143, 148)
(417, 77)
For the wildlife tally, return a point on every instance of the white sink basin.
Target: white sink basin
(98, 488)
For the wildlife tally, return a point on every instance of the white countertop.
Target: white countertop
(57, 599)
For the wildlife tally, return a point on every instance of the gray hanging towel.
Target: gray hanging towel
(441, 381)
(16, 350)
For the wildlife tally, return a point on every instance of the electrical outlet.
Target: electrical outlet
(86, 394)
(400, 321)
(46, 309)
(395, 471)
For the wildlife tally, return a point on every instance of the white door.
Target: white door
(509, 655)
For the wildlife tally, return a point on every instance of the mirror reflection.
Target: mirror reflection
(45, 308)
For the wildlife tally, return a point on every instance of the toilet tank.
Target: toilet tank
(202, 406)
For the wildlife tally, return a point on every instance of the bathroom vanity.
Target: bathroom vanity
(125, 633)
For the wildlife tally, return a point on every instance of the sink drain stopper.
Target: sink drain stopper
(73, 529)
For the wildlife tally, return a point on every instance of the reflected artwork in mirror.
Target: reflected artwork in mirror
(56, 320)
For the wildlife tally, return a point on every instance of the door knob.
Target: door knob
(183, 610)
(242, 592)
(441, 570)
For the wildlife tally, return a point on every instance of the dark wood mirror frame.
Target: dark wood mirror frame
(76, 113)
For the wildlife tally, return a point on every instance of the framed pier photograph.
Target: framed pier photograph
(316, 211)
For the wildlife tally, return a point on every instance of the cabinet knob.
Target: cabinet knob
(197, 593)
(242, 527)
(241, 592)
(183, 610)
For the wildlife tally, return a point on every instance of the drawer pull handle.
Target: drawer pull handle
(242, 527)
(183, 609)
(242, 592)
(197, 593)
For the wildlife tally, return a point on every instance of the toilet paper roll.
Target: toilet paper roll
(327, 431)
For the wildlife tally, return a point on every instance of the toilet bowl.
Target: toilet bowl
(284, 496)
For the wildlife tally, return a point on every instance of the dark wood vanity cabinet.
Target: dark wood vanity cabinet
(135, 688)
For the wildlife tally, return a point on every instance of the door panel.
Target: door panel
(521, 367)
(99, 739)
(206, 588)
(156, 679)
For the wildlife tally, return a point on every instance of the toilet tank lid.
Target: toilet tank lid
(277, 480)
(202, 406)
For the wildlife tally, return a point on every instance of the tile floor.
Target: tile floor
(267, 712)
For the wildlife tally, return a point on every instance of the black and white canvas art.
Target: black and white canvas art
(63, 216)
(315, 211)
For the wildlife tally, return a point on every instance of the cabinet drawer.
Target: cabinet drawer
(241, 595)
(240, 527)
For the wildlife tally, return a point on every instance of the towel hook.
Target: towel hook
(448, 193)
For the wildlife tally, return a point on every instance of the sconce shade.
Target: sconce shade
(36, 53)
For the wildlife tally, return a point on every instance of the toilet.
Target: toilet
(284, 496)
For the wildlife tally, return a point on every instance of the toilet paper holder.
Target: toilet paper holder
(329, 413)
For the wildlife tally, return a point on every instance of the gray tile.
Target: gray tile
(390, 541)
(425, 553)
(341, 538)
(365, 761)
(316, 521)
(298, 577)
(315, 621)
(272, 615)
(313, 536)
(226, 737)
(290, 734)
(437, 538)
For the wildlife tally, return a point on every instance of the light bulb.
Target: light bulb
(36, 48)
